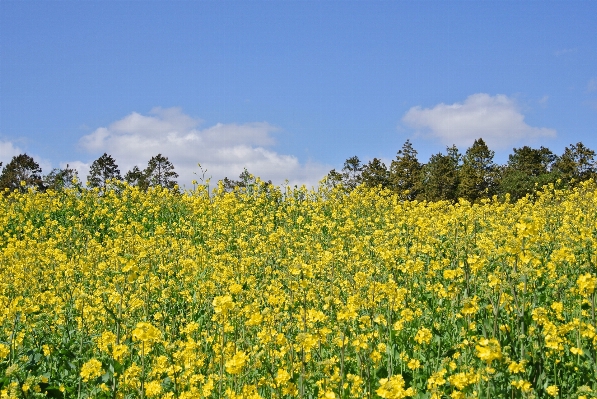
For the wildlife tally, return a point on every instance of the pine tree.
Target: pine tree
(405, 172)
(21, 169)
(478, 172)
(351, 173)
(375, 174)
(103, 170)
(160, 172)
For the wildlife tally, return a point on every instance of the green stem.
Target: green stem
(142, 370)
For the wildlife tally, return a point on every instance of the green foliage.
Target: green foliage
(333, 178)
(439, 177)
(577, 162)
(21, 173)
(246, 181)
(405, 172)
(527, 170)
(102, 171)
(60, 179)
(478, 172)
(375, 174)
(160, 172)
(350, 177)
(351, 172)
(136, 177)
(473, 176)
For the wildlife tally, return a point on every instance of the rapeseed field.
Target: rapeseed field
(290, 293)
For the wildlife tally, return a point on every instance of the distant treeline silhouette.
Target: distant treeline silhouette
(473, 175)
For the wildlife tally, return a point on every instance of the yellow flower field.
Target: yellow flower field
(279, 293)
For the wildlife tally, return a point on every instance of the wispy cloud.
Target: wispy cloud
(223, 149)
(543, 100)
(497, 119)
(565, 51)
(592, 85)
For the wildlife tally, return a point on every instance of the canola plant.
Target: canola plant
(291, 293)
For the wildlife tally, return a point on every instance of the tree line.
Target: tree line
(23, 172)
(473, 175)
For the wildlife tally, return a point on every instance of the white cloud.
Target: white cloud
(82, 168)
(592, 85)
(496, 119)
(7, 151)
(222, 149)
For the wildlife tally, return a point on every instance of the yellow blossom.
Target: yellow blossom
(523, 385)
(393, 388)
(489, 349)
(222, 304)
(516, 368)
(423, 335)
(414, 364)
(586, 284)
(91, 369)
(146, 333)
(552, 390)
(237, 363)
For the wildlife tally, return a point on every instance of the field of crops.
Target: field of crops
(279, 293)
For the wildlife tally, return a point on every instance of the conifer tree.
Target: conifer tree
(375, 173)
(246, 181)
(405, 172)
(102, 170)
(160, 172)
(351, 172)
(478, 172)
(333, 178)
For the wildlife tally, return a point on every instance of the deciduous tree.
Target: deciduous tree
(439, 176)
(21, 173)
(136, 177)
(527, 170)
(60, 179)
(577, 162)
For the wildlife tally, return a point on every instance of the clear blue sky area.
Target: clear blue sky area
(292, 89)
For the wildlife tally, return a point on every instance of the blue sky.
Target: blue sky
(291, 89)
